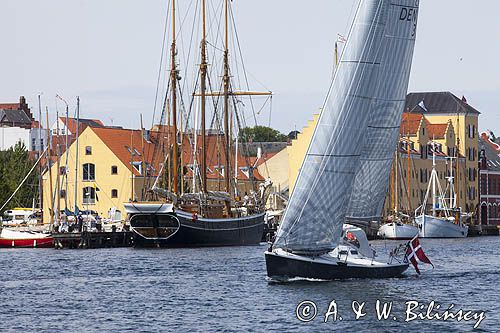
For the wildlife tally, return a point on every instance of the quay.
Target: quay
(484, 230)
(93, 240)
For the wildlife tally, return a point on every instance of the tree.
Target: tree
(14, 166)
(261, 134)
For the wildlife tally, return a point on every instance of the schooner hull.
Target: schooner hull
(435, 227)
(285, 267)
(198, 232)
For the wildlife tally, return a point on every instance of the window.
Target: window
(114, 193)
(88, 172)
(88, 150)
(62, 170)
(63, 194)
(33, 144)
(89, 196)
(137, 166)
(114, 170)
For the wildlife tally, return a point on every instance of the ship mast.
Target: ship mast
(173, 82)
(203, 76)
(227, 137)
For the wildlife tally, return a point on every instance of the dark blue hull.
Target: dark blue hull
(283, 268)
(180, 229)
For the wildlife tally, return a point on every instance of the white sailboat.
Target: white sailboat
(445, 219)
(365, 102)
(396, 229)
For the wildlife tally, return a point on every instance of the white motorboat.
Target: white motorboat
(397, 230)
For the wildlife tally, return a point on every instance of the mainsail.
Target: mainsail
(316, 210)
(381, 136)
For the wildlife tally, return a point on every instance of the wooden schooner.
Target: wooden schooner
(196, 209)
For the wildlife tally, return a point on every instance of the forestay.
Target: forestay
(381, 136)
(316, 210)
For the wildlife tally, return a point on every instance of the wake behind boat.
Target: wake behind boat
(345, 169)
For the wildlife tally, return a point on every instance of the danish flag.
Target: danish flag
(414, 251)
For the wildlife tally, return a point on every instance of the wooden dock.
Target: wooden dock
(93, 240)
(484, 230)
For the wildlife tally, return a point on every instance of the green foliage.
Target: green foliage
(14, 166)
(261, 134)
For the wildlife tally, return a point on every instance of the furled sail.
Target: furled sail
(316, 210)
(381, 136)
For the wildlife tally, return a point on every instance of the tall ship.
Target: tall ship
(348, 162)
(197, 198)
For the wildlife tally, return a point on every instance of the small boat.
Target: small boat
(15, 238)
(360, 118)
(352, 258)
(445, 219)
(397, 230)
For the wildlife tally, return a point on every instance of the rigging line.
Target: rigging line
(242, 63)
(190, 48)
(323, 162)
(161, 64)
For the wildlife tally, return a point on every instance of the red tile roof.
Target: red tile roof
(10, 106)
(119, 140)
(410, 123)
(72, 122)
(437, 131)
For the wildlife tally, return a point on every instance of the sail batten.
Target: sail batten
(317, 207)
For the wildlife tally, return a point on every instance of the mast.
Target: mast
(396, 194)
(40, 152)
(408, 164)
(457, 153)
(66, 143)
(227, 139)
(132, 166)
(143, 163)
(49, 167)
(203, 74)
(58, 181)
(77, 150)
(173, 82)
(433, 179)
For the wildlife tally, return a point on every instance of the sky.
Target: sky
(108, 53)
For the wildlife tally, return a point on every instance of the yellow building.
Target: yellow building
(297, 150)
(438, 117)
(110, 171)
(440, 108)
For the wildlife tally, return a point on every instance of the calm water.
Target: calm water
(225, 289)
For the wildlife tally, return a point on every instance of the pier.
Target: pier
(93, 240)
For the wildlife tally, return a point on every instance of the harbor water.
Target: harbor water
(225, 289)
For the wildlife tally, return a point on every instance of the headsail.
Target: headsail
(381, 136)
(316, 210)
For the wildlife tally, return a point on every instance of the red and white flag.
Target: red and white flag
(414, 251)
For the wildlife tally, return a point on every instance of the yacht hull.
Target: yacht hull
(397, 231)
(435, 227)
(24, 239)
(184, 230)
(285, 267)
